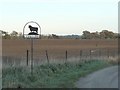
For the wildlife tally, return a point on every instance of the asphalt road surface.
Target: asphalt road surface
(105, 78)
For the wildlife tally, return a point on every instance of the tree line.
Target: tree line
(104, 34)
(12, 35)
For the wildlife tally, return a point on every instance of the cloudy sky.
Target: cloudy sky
(60, 16)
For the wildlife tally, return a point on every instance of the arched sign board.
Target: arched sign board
(32, 30)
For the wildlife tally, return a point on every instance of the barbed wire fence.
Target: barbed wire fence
(62, 57)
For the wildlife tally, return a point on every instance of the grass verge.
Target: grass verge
(50, 76)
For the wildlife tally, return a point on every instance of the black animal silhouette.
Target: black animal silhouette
(33, 29)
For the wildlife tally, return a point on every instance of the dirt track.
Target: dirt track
(106, 78)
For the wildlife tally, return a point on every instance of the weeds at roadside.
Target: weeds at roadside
(50, 76)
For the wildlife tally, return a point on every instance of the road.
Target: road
(105, 78)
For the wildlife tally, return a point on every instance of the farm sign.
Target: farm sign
(32, 30)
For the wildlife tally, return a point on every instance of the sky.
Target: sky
(60, 17)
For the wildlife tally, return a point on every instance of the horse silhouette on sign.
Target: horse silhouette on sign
(34, 30)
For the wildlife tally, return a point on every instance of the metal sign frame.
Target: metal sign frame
(32, 37)
(26, 36)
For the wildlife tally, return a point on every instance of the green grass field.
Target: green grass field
(50, 76)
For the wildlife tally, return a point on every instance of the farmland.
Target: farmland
(56, 49)
(54, 75)
(55, 46)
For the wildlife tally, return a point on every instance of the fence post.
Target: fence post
(47, 57)
(80, 54)
(27, 56)
(108, 53)
(66, 56)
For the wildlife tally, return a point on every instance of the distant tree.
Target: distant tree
(54, 36)
(105, 34)
(111, 35)
(5, 34)
(95, 35)
(14, 34)
(86, 35)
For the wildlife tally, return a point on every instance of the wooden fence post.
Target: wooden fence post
(108, 53)
(27, 56)
(66, 56)
(47, 57)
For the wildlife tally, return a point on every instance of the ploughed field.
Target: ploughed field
(56, 48)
